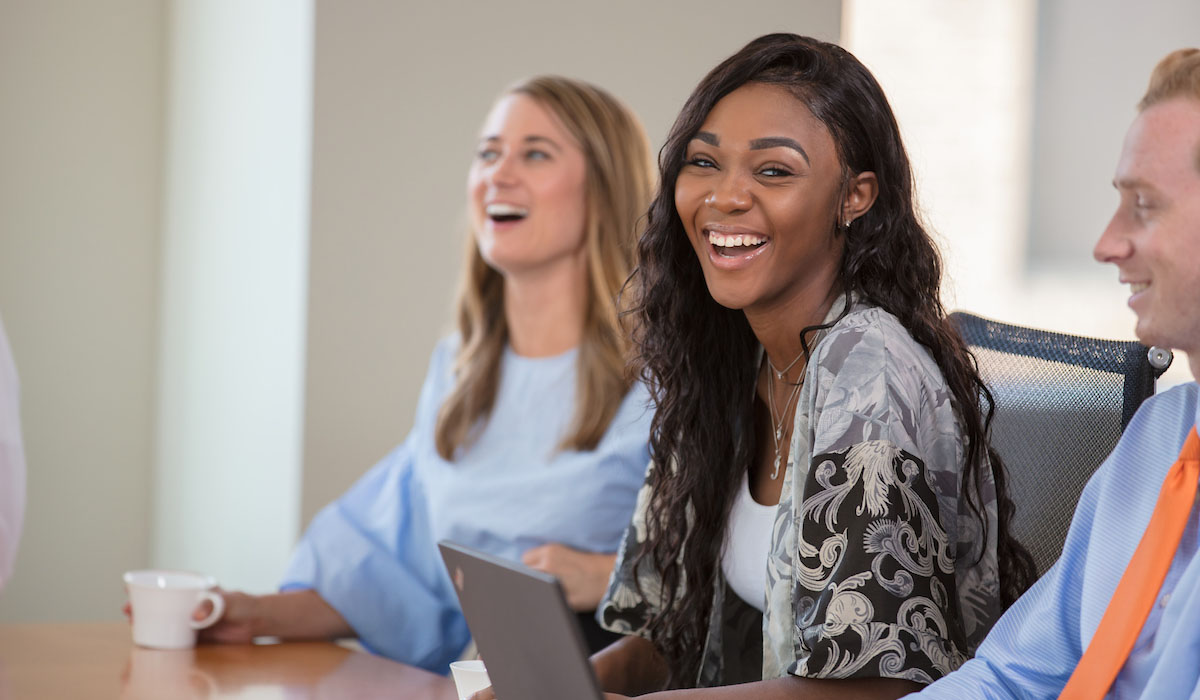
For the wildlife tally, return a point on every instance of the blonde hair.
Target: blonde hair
(1177, 75)
(619, 184)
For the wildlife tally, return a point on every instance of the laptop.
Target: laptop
(526, 633)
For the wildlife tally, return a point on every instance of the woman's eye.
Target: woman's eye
(488, 154)
(700, 162)
(537, 155)
(773, 171)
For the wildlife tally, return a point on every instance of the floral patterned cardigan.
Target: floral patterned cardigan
(875, 568)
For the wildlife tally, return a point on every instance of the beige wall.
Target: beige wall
(399, 94)
(1094, 62)
(80, 130)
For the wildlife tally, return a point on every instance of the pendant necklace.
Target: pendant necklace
(779, 417)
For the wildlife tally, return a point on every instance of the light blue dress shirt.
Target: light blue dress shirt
(1035, 646)
(372, 554)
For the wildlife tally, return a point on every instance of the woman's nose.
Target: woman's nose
(503, 171)
(729, 195)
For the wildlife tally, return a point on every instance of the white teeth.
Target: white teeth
(1136, 287)
(500, 209)
(745, 239)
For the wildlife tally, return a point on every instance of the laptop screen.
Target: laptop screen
(526, 633)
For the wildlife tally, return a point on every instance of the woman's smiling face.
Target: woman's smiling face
(527, 189)
(758, 196)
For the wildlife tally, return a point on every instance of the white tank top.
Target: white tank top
(747, 545)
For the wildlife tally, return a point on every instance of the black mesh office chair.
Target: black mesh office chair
(1061, 404)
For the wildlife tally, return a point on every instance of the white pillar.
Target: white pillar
(235, 257)
(959, 77)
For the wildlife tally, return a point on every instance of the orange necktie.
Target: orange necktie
(1135, 594)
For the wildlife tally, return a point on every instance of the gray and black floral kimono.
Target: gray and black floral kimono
(875, 567)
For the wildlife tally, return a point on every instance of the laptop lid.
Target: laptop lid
(526, 633)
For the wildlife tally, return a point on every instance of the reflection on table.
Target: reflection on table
(98, 660)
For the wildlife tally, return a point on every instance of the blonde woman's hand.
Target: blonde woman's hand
(584, 575)
(237, 625)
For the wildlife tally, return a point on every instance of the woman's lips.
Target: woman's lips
(733, 249)
(505, 209)
(505, 215)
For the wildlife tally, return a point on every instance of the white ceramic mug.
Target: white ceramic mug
(163, 602)
(470, 677)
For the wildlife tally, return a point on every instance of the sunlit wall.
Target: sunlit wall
(1014, 112)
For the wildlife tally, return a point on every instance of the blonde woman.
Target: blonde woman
(530, 440)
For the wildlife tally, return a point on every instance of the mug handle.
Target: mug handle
(218, 603)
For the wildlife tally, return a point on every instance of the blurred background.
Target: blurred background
(230, 230)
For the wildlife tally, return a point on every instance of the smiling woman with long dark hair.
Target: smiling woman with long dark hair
(823, 503)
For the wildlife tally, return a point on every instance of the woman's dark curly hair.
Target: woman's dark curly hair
(698, 357)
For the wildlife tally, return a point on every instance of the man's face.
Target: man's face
(1154, 236)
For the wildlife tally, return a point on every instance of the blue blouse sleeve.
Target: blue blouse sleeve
(371, 555)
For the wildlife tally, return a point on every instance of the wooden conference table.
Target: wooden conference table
(98, 660)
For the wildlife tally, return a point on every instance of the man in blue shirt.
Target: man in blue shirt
(1154, 240)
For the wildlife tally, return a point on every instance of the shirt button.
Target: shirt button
(1165, 599)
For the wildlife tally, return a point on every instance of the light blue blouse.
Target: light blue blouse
(372, 553)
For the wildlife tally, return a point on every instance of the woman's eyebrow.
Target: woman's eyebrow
(543, 139)
(528, 139)
(707, 137)
(778, 141)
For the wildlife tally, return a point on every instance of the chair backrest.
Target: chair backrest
(1061, 404)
